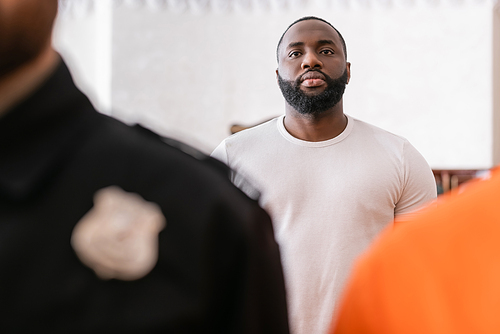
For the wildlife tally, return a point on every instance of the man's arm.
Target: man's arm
(419, 186)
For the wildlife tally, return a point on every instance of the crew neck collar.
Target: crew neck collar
(323, 143)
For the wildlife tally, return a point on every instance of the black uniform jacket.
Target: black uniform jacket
(219, 266)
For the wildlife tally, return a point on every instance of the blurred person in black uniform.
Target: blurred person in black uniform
(105, 227)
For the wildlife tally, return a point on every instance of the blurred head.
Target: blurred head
(25, 31)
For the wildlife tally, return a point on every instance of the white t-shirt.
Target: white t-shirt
(328, 200)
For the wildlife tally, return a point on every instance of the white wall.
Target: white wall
(420, 68)
(83, 37)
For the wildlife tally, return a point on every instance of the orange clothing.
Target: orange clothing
(437, 273)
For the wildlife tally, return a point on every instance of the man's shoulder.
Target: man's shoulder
(248, 142)
(108, 133)
(134, 148)
(258, 131)
(388, 141)
(371, 129)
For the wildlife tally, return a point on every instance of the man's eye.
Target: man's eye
(326, 52)
(294, 54)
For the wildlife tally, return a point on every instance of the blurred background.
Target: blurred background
(428, 70)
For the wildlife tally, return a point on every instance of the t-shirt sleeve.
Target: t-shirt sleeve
(220, 153)
(419, 186)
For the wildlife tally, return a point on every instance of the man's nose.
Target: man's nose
(311, 60)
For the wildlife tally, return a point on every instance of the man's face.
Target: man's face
(25, 30)
(312, 70)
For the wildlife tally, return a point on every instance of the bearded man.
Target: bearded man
(330, 182)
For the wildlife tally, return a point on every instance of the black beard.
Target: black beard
(313, 104)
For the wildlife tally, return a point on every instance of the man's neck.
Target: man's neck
(315, 128)
(15, 86)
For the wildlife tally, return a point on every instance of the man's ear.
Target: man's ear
(277, 74)
(348, 68)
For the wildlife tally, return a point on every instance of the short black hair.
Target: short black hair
(305, 18)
